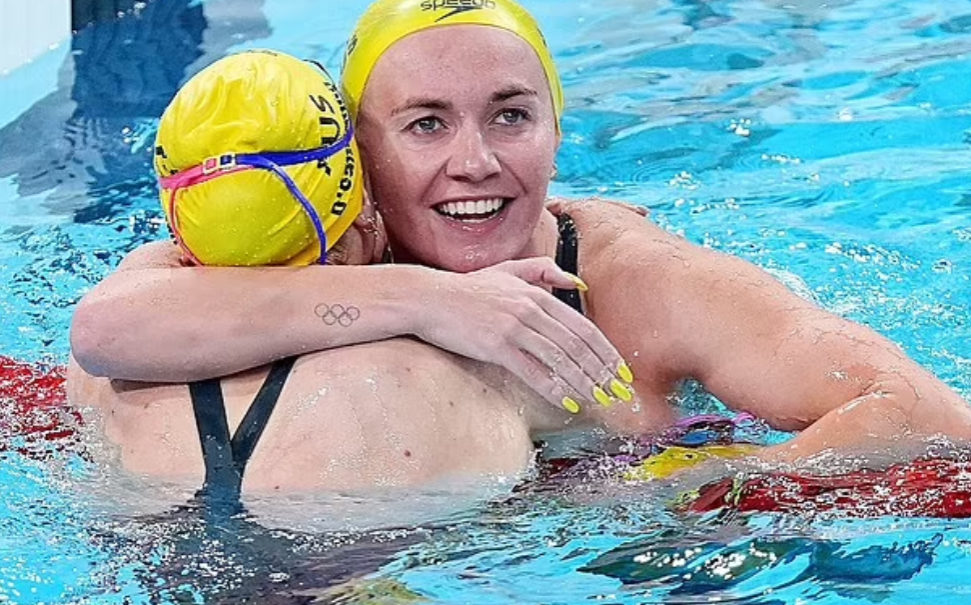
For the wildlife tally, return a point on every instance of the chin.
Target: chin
(467, 261)
(464, 252)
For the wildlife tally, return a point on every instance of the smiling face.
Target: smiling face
(458, 133)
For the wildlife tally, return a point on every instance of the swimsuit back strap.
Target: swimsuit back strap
(251, 427)
(225, 458)
(210, 412)
(567, 253)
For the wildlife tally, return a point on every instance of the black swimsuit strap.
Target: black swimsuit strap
(210, 413)
(567, 252)
(225, 458)
(251, 426)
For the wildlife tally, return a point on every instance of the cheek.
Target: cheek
(383, 180)
(394, 173)
(533, 165)
(537, 156)
(391, 190)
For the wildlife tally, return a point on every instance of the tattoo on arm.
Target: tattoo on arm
(337, 314)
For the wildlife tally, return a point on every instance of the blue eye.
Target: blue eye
(426, 125)
(512, 117)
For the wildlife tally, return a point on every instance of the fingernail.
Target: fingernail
(623, 370)
(620, 390)
(581, 285)
(570, 405)
(602, 397)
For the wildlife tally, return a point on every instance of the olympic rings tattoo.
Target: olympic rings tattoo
(337, 314)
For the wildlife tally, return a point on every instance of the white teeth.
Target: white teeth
(467, 208)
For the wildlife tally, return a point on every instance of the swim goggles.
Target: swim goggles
(228, 163)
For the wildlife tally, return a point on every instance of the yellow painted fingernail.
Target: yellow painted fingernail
(602, 397)
(623, 370)
(581, 285)
(570, 405)
(620, 390)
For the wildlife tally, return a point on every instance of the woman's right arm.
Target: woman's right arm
(158, 321)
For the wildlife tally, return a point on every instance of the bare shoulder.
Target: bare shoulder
(618, 239)
(154, 255)
(672, 307)
(599, 215)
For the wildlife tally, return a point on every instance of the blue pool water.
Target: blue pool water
(827, 142)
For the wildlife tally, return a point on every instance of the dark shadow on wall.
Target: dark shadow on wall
(94, 131)
(89, 12)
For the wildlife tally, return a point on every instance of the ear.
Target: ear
(371, 228)
(368, 203)
(382, 247)
(366, 216)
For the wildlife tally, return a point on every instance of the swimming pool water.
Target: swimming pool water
(828, 142)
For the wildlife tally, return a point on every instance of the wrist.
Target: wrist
(408, 295)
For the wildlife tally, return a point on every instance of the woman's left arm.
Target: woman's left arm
(679, 311)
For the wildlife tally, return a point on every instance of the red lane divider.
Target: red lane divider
(927, 487)
(33, 406)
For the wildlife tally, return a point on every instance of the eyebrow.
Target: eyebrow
(421, 103)
(509, 92)
(499, 96)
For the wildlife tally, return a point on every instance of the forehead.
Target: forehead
(453, 60)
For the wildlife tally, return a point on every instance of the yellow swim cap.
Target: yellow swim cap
(387, 21)
(257, 163)
(676, 458)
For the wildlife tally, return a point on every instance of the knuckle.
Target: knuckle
(505, 328)
(587, 331)
(528, 309)
(596, 341)
(577, 349)
(535, 373)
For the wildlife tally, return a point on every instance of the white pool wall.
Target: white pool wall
(29, 28)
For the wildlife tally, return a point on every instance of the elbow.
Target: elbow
(94, 338)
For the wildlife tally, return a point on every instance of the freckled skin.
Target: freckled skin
(431, 416)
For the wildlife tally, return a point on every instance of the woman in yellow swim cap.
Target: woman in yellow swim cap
(237, 193)
(252, 155)
(457, 107)
(557, 327)
(459, 103)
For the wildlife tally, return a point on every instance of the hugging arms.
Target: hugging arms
(458, 125)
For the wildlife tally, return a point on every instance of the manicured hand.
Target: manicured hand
(504, 315)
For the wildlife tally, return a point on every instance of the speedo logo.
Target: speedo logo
(456, 6)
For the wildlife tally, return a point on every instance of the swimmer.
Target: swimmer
(257, 166)
(457, 117)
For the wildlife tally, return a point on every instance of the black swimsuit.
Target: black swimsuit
(567, 249)
(225, 457)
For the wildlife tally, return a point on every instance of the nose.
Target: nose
(473, 158)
